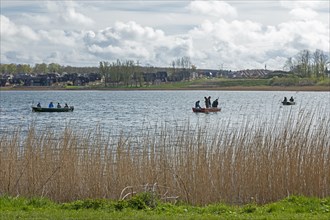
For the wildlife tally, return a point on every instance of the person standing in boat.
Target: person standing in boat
(209, 101)
(206, 102)
(58, 105)
(39, 105)
(51, 105)
(291, 99)
(197, 104)
(285, 100)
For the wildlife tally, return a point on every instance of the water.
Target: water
(134, 112)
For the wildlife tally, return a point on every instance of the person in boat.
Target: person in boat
(39, 105)
(209, 100)
(66, 105)
(58, 105)
(291, 99)
(197, 104)
(215, 103)
(206, 102)
(285, 100)
(51, 105)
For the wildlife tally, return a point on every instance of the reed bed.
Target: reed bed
(261, 165)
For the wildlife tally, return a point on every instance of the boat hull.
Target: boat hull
(288, 103)
(206, 110)
(39, 109)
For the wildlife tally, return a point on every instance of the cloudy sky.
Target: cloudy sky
(214, 34)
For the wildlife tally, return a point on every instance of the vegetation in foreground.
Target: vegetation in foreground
(260, 162)
(143, 206)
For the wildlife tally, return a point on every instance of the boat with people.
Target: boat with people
(208, 106)
(40, 109)
(206, 110)
(290, 102)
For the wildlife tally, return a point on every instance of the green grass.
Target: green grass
(73, 87)
(324, 82)
(143, 206)
(212, 83)
(203, 83)
(242, 82)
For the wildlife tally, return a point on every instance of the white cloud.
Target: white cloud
(213, 8)
(59, 37)
(210, 32)
(8, 28)
(10, 31)
(134, 41)
(132, 30)
(313, 4)
(303, 13)
(65, 13)
(237, 42)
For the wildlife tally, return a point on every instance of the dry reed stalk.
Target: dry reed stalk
(262, 164)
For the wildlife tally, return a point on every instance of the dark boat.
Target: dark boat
(288, 103)
(206, 110)
(39, 109)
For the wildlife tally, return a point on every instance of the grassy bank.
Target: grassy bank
(138, 207)
(277, 84)
(197, 166)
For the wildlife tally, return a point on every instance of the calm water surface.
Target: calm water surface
(136, 111)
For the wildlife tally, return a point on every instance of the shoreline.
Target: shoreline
(231, 88)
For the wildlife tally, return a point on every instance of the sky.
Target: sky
(231, 35)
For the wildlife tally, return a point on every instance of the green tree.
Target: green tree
(129, 68)
(3, 68)
(23, 68)
(11, 68)
(54, 68)
(40, 68)
(115, 72)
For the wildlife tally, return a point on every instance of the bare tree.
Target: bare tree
(304, 63)
(105, 71)
(323, 59)
(289, 64)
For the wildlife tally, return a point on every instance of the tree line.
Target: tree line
(304, 64)
(308, 64)
(43, 68)
(121, 71)
(129, 72)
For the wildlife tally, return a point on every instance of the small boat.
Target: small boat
(39, 109)
(206, 110)
(288, 103)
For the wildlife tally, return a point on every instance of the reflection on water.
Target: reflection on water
(135, 112)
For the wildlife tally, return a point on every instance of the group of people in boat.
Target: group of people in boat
(286, 100)
(51, 105)
(208, 104)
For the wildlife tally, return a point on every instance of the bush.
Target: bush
(284, 81)
(324, 82)
(142, 201)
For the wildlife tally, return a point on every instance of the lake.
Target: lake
(133, 112)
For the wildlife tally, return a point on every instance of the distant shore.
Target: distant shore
(230, 88)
